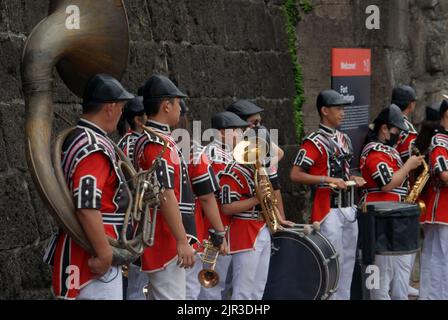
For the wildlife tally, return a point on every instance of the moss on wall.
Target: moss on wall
(292, 13)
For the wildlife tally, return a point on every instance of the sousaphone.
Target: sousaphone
(100, 45)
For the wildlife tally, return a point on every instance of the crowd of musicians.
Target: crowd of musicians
(210, 196)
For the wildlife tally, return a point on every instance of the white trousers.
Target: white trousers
(222, 268)
(434, 263)
(137, 281)
(343, 234)
(250, 269)
(166, 284)
(193, 286)
(108, 287)
(395, 273)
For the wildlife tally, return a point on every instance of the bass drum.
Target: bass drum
(302, 267)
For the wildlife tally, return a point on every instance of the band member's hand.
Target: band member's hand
(359, 181)
(185, 255)
(217, 237)
(100, 265)
(286, 223)
(414, 162)
(338, 183)
(223, 249)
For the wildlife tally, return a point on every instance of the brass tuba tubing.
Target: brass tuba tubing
(100, 45)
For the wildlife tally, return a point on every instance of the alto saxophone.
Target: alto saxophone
(419, 184)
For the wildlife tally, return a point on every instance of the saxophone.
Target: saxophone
(249, 153)
(419, 184)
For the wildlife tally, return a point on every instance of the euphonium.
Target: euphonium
(419, 184)
(250, 153)
(99, 45)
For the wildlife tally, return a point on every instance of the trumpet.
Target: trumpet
(208, 277)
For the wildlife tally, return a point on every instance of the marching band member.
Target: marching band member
(251, 113)
(95, 181)
(134, 115)
(324, 158)
(405, 98)
(249, 237)
(165, 261)
(387, 180)
(219, 152)
(204, 185)
(434, 261)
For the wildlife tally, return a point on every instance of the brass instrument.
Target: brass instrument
(251, 152)
(100, 45)
(419, 184)
(208, 277)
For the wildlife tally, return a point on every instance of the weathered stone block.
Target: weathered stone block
(11, 50)
(21, 16)
(35, 274)
(12, 118)
(18, 218)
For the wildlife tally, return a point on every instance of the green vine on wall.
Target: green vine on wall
(291, 10)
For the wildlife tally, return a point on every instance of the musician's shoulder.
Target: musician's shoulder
(439, 140)
(155, 139)
(380, 147)
(376, 148)
(232, 170)
(315, 139)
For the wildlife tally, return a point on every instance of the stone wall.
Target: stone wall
(409, 48)
(216, 51)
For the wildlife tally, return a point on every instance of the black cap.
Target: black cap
(134, 106)
(161, 87)
(227, 120)
(402, 96)
(103, 88)
(392, 116)
(330, 98)
(244, 108)
(433, 111)
(183, 107)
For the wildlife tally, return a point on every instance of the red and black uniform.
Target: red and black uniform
(95, 181)
(127, 144)
(237, 183)
(220, 155)
(437, 191)
(326, 152)
(407, 139)
(204, 182)
(172, 174)
(378, 164)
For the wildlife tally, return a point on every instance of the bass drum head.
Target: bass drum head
(297, 269)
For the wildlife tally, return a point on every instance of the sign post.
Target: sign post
(351, 73)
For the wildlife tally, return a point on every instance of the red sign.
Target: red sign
(351, 62)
